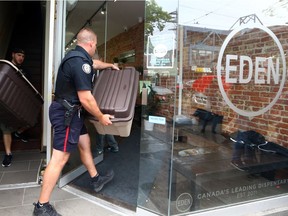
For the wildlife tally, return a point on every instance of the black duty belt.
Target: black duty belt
(71, 103)
(71, 109)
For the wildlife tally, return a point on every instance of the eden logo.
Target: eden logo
(257, 67)
(184, 202)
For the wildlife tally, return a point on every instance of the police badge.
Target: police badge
(86, 68)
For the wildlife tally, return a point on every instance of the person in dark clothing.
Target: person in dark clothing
(72, 96)
(101, 138)
(112, 143)
(18, 56)
(245, 144)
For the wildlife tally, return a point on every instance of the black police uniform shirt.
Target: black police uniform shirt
(75, 74)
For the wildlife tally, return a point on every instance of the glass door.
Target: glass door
(81, 14)
(159, 90)
(120, 40)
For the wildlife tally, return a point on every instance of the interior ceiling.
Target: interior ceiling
(121, 15)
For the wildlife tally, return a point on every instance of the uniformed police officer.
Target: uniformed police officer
(72, 94)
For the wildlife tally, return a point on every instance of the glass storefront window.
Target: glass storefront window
(158, 98)
(223, 124)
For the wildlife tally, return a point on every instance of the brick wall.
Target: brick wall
(273, 124)
(133, 39)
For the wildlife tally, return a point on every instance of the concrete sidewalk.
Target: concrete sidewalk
(19, 202)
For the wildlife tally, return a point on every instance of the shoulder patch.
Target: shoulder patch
(86, 68)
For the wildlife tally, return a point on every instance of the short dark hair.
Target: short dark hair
(18, 50)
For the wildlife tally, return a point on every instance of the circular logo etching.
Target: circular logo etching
(219, 76)
(184, 202)
(160, 50)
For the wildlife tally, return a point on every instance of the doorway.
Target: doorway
(123, 189)
(29, 37)
(22, 24)
(121, 39)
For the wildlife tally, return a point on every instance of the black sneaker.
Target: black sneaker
(45, 210)
(7, 160)
(113, 149)
(99, 152)
(102, 180)
(20, 136)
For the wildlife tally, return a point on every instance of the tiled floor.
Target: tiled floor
(19, 188)
(23, 170)
(18, 202)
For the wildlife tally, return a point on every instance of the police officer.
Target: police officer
(72, 94)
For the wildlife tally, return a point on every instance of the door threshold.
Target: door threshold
(103, 203)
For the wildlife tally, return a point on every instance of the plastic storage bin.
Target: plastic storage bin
(115, 93)
(20, 102)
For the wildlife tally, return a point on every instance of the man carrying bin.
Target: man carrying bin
(72, 96)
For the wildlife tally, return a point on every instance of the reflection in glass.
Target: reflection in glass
(229, 136)
(233, 152)
(160, 76)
